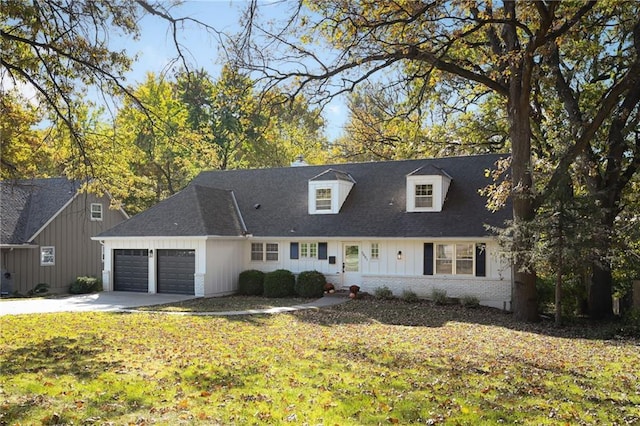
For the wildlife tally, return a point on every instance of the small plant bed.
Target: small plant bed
(228, 303)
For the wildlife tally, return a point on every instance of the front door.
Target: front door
(351, 274)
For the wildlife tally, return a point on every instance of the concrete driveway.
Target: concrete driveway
(104, 301)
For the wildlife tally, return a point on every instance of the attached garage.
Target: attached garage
(131, 270)
(176, 269)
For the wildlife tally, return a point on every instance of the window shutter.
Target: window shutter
(428, 259)
(322, 250)
(293, 251)
(481, 260)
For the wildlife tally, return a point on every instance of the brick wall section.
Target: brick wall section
(491, 292)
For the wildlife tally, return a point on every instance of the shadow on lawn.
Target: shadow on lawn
(59, 356)
(427, 314)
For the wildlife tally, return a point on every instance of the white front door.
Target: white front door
(351, 274)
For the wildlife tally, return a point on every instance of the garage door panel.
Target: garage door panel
(176, 270)
(131, 270)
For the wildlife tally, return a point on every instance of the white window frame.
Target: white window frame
(426, 197)
(47, 256)
(375, 251)
(309, 250)
(271, 252)
(324, 203)
(97, 214)
(265, 252)
(456, 253)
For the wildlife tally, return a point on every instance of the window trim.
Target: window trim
(326, 198)
(52, 262)
(101, 212)
(269, 252)
(429, 196)
(375, 251)
(454, 259)
(308, 250)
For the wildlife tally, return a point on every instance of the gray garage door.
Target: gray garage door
(175, 271)
(131, 270)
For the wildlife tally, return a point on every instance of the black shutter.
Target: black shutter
(481, 260)
(322, 250)
(428, 259)
(293, 251)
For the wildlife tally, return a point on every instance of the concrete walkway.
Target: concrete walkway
(317, 304)
(109, 301)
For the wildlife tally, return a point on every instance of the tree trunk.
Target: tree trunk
(524, 294)
(600, 300)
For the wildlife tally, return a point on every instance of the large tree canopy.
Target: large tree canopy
(468, 50)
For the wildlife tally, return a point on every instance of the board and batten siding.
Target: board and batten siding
(406, 273)
(76, 254)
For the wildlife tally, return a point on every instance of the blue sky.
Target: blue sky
(155, 49)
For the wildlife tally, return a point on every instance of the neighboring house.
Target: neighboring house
(46, 228)
(414, 224)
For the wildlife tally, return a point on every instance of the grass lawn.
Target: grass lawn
(363, 362)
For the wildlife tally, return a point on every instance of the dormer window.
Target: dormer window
(427, 189)
(328, 191)
(424, 195)
(323, 199)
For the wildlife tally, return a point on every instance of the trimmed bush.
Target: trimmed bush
(279, 283)
(83, 285)
(310, 284)
(383, 293)
(251, 283)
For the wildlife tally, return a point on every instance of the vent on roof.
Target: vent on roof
(299, 162)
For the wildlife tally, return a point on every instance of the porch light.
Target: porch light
(399, 254)
(151, 253)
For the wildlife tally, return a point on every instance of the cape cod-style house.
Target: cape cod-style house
(46, 227)
(413, 224)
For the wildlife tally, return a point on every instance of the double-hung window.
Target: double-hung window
(261, 252)
(454, 259)
(424, 196)
(323, 199)
(47, 256)
(96, 211)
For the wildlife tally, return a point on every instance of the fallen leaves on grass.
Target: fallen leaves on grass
(363, 362)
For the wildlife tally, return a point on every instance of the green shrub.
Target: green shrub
(410, 296)
(40, 288)
(383, 293)
(279, 283)
(83, 285)
(439, 297)
(470, 301)
(251, 283)
(310, 284)
(631, 323)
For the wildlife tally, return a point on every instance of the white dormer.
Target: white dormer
(328, 191)
(427, 189)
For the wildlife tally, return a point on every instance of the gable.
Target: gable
(28, 205)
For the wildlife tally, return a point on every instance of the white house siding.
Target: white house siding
(398, 274)
(225, 259)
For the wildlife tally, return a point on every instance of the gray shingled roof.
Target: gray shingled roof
(274, 203)
(194, 211)
(27, 205)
